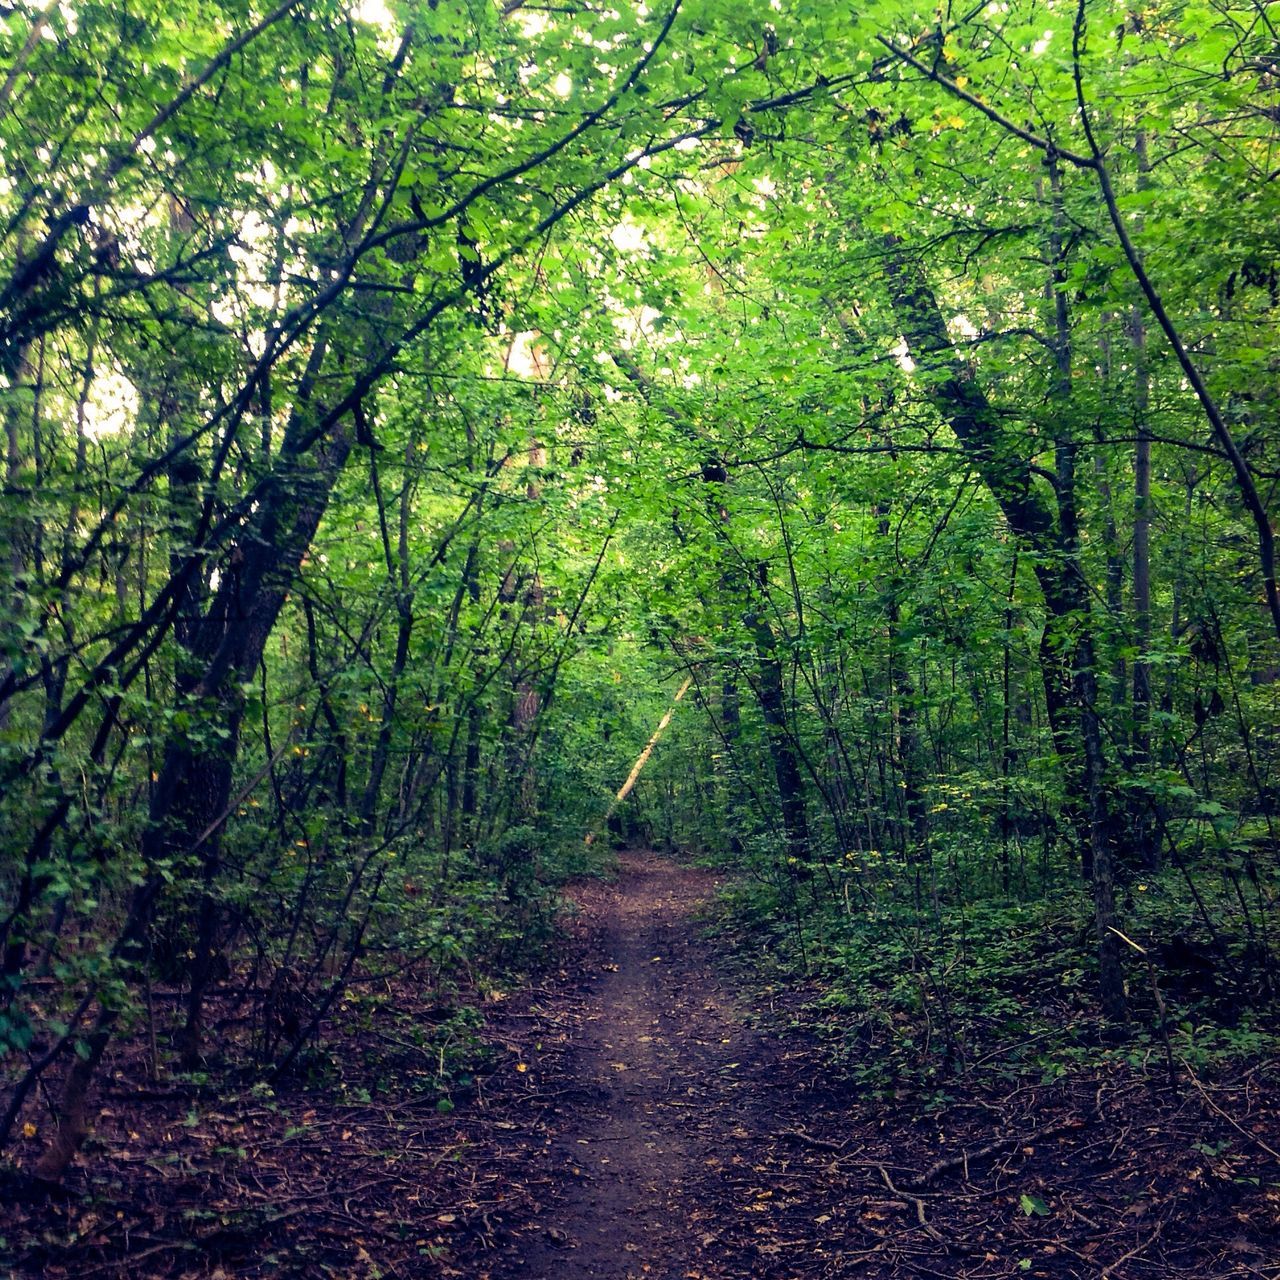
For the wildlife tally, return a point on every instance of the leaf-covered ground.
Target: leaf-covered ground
(639, 1119)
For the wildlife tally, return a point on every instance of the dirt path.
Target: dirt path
(663, 1092)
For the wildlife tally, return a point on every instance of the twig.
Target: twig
(917, 1201)
(819, 1144)
(1109, 1271)
(1239, 1128)
(1161, 1008)
(939, 1167)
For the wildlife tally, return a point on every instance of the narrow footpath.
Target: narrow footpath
(664, 1091)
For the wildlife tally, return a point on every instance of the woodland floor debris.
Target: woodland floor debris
(642, 1122)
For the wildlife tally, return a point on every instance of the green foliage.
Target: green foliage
(400, 404)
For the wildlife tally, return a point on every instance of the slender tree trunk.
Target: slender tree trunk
(1067, 653)
(903, 737)
(1006, 740)
(1100, 869)
(771, 693)
(1147, 845)
(731, 732)
(397, 563)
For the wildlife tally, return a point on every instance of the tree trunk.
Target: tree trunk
(1067, 648)
(194, 786)
(771, 693)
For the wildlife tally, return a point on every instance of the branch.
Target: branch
(1244, 477)
(1034, 139)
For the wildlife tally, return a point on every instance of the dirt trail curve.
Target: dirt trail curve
(665, 1088)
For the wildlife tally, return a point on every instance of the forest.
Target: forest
(640, 638)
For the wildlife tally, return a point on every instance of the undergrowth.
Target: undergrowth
(912, 990)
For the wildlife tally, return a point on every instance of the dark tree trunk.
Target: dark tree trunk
(1067, 654)
(771, 693)
(194, 784)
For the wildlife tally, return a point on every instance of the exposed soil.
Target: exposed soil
(649, 1139)
(640, 1119)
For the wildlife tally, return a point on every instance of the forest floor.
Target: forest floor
(646, 1115)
